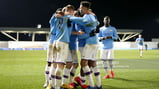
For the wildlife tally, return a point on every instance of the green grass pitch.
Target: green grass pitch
(25, 70)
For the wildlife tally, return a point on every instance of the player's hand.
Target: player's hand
(89, 24)
(109, 37)
(102, 38)
(92, 33)
(81, 33)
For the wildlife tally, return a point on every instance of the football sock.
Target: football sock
(52, 76)
(58, 78)
(111, 64)
(72, 74)
(47, 72)
(65, 75)
(105, 67)
(140, 53)
(97, 76)
(88, 75)
(83, 79)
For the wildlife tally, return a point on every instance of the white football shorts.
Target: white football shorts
(90, 52)
(72, 56)
(107, 54)
(60, 51)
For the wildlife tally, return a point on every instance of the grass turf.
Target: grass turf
(25, 70)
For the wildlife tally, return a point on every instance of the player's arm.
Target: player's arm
(100, 36)
(115, 36)
(52, 18)
(89, 34)
(136, 41)
(84, 36)
(81, 21)
(78, 30)
(78, 33)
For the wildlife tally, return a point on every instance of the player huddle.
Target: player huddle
(72, 30)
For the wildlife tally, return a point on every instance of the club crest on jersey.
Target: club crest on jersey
(110, 30)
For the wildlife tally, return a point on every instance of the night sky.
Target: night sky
(125, 14)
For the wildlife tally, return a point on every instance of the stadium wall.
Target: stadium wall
(133, 45)
(43, 44)
(3, 44)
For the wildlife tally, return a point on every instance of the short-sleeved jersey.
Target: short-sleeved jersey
(52, 28)
(73, 38)
(90, 40)
(63, 32)
(108, 31)
(81, 42)
(140, 41)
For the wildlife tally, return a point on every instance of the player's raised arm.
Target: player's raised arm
(82, 21)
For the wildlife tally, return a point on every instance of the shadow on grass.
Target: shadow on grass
(124, 79)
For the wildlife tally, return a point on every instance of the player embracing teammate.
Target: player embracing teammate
(65, 30)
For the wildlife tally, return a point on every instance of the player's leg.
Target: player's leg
(62, 54)
(58, 73)
(47, 72)
(111, 68)
(52, 75)
(141, 51)
(80, 79)
(81, 74)
(87, 51)
(96, 71)
(66, 72)
(93, 65)
(75, 65)
(66, 75)
(110, 60)
(48, 65)
(103, 57)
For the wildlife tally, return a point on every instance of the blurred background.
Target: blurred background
(124, 14)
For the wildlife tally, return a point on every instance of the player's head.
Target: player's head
(84, 7)
(59, 12)
(106, 21)
(140, 35)
(77, 13)
(58, 9)
(91, 12)
(68, 10)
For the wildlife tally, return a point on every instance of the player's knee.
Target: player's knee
(75, 65)
(69, 65)
(84, 63)
(92, 64)
(58, 71)
(49, 64)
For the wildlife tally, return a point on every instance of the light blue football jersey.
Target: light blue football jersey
(140, 41)
(89, 18)
(52, 29)
(108, 31)
(63, 32)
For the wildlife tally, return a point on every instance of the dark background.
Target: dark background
(125, 14)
